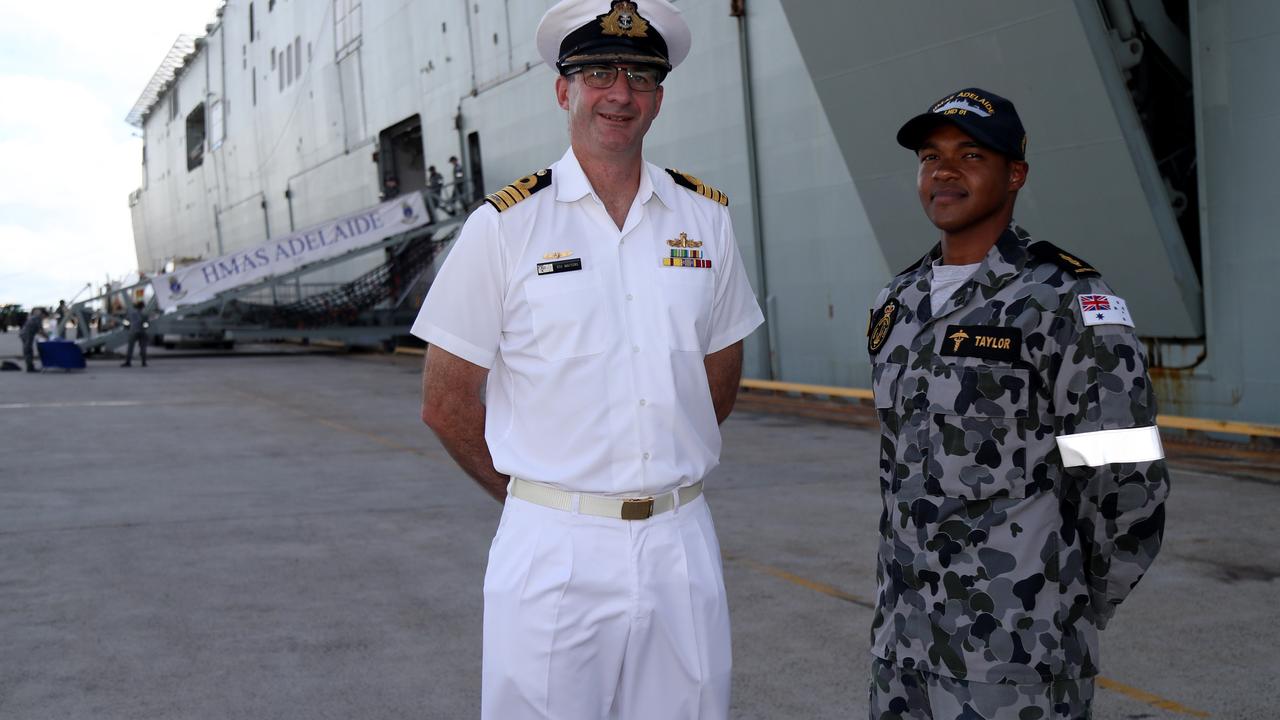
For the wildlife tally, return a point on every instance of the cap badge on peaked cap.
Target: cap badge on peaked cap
(624, 20)
(965, 102)
(584, 32)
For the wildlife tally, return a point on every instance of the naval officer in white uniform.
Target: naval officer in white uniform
(585, 342)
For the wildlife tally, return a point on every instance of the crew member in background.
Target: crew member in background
(30, 329)
(435, 193)
(60, 319)
(136, 324)
(598, 307)
(457, 197)
(1021, 469)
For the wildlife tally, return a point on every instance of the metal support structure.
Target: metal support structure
(364, 309)
(768, 359)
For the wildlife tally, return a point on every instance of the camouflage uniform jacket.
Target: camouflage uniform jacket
(999, 560)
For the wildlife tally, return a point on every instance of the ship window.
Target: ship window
(195, 138)
(273, 58)
(254, 75)
(297, 56)
(216, 124)
(271, 5)
(288, 70)
(347, 26)
(250, 22)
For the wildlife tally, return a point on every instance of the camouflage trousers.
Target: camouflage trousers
(899, 693)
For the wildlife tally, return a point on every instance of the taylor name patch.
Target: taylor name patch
(1104, 310)
(983, 341)
(547, 268)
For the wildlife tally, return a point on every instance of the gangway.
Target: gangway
(374, 308)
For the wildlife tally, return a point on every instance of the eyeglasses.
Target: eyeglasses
(601, 77)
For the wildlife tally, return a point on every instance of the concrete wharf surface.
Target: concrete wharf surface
(275, 535)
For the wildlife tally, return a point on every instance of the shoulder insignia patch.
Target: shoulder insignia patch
(519, 190)
(1104, 310)
(882, 321)
(1049, 252)
(694, 184)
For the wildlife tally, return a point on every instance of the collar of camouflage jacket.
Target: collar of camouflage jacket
(1003, 262)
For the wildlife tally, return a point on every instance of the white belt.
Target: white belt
(600, 506)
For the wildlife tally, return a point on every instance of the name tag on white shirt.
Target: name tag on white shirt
(558, 266)
(1104, 310)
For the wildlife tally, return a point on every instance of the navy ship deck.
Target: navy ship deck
(275, 534)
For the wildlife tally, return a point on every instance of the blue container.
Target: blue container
(61, 354)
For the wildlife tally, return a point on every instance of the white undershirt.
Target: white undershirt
(946, 278)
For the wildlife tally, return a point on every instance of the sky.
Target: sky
(70, 72)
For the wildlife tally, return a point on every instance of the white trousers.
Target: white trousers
(587, 618)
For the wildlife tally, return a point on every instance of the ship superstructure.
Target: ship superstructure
(1147, 123)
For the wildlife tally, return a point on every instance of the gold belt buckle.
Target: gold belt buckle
(637, 508)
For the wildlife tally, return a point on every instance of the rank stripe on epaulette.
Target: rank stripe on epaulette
(690, 182)
(1047, 251)
(519, 190)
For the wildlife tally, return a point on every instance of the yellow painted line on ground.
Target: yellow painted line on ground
(380, 440)
(1177, 422)
(804, 389)
(402, 350)
(1167, 422)
(810, 584)
(1148, 698)
(391, 444)
(1126, 690)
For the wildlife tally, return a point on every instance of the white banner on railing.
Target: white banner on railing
(200, 282)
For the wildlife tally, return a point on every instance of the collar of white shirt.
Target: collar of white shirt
(572, 183)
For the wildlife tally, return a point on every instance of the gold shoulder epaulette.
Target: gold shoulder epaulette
(1049, 252)
(692, 183)
(519, 190)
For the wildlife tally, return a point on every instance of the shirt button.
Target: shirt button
(643, 401)
(646, 456)
(630, 296)
(635, 348)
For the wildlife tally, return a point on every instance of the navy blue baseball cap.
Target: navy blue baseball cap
(984, 116)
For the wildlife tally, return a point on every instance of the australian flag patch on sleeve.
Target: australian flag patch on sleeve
(1104, 310)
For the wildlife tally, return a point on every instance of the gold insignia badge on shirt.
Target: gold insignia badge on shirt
(883, 323)
(684, 242)
(557, 255)
(958, 337)
(624, 21)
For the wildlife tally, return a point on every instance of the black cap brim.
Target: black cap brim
(605, 52)
(913, 133)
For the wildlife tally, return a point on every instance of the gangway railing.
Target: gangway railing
(369, 308)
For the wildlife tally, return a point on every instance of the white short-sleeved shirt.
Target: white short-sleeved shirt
(596, 375)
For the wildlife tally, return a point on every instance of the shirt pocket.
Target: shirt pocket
(568, 315)
(687, 294)
(977, 433)
(884, 387)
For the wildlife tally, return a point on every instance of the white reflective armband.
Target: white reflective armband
(1103, 447)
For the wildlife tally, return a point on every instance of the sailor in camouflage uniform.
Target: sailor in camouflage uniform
(1021, 470)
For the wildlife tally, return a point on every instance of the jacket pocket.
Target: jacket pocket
(976, 447)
